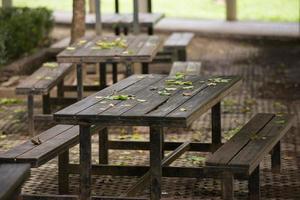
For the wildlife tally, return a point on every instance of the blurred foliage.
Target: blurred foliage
(22, 30)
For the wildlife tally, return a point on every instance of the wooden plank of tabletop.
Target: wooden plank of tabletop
(204, 100)
(157, 102)
(71, 110)
(102, 106)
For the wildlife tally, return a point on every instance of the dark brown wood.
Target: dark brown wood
(115, 72)
(227, 186)
(188, 68)
(276, 158)
(102, 71)
(156, 141)
(79, 81)
(157, 109)
(254, 185)
(48, 197)
(12, 176)
(63, 175)
(145, 68)
(178, 41)
(140, 48)
(85, 161)
(252, 154)
(43, 80)
(142, 182)
(117, 198)
(103, 146)
(216, 126)
(30, 111)
(46, 104)
(168, 146)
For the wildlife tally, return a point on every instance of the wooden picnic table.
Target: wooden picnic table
(154, 101)
(99, 50)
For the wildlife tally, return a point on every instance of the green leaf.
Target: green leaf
(50, 64)
(164, 93)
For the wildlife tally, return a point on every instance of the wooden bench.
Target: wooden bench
(174, 48)
(53, 142)
(12, 177)
(40, 83)
(243, 153)
(187, 68)
(177, 44)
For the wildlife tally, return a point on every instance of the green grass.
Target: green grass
(256, 10)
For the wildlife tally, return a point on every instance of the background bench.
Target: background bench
(40, 83)
(12, 177)
(243, 153)
(53, 142)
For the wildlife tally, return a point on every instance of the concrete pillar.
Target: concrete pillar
(231, 10)
(98, 17)
(143, 6)
(7, 3)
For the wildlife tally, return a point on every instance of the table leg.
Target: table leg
(128, 69)
(46, 104)
(30, 107)
(145, 68)
(115, 72)
(102, 77)
(103, 146)
(79, 81)
(85, 162)
(216, 126)
(156, 139)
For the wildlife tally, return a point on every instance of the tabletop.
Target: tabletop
(141, 48)
(150, 99)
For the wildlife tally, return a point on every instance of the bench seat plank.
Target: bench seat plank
(188, 68)
(264, 141)
(44, 79)
(244, 151)
(46, 137)
(12, 176)
(178, 40)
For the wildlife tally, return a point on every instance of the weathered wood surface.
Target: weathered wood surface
(126, 20)
(188, 68)
(252, 143)
(178, 41)
(12, 176)
(180, 108)
(43, 80)
(140, 48)
(54, 141)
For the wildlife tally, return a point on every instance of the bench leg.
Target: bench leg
(145, 68)
(150, 30)
(85, 147)
(117, 30)
(30, 108)
(79, 81)
(102, 77)
(103, 146)
(125, 30)
(227, 186)
(46, 104)
(128, 70)
(156, 141)
(216, 126)
(276, 158)
(115, 72)
(60, 89)
(253, 185)
(182, 55)
(63, 174)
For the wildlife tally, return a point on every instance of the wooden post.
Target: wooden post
(227, 186)
(79, 81)
(216, 126)
(98, 17)
(92, 6)
(136, 26)
(7, 3)
(231, 10)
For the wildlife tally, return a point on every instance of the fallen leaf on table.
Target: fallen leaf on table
(182, 109)
(187, 94)
(70, 48)
(141, 100)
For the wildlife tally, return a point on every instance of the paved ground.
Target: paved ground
(271, 84)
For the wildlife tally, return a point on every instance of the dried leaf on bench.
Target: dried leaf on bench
(36, 141)
(50, 64)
